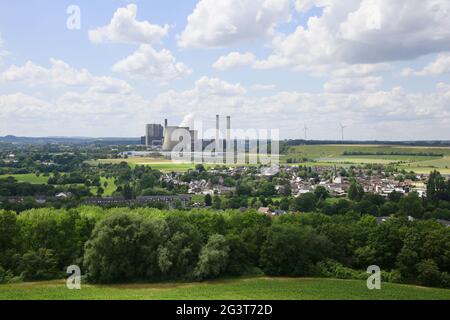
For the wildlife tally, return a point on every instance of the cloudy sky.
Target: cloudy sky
(380, 67)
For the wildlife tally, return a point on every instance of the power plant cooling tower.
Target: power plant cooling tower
(170, 144)
(172, 138)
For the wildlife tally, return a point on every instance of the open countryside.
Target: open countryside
(323, 195)
(225, 149)
(422, 158)
(418, 159)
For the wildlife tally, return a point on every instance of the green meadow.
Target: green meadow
(109, 189)
(30, 178)
(34, 179)
(260, 288)
(408, 158)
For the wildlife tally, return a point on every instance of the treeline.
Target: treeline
(392, 153)
(26, 161)
(124, 245)
(299, 142)
(10, 187)
(435, 206)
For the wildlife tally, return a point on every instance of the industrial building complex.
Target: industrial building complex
(182, 143)
(166, 137)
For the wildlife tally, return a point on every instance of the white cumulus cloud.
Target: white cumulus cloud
(217, 23)
(89, 113)
(234, 60)
(305, 5)
(369, 112)
(148, 63)
(125, 28)
(60, 74)
(364, 32)
(440, 66)
(352, 85)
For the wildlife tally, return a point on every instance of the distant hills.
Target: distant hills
(416, 143)
(69, 140)
(137, 141)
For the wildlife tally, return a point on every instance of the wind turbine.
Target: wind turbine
(342, 131)
(306, 132)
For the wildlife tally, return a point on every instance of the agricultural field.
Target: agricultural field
(163, 165)
(30, 178)
(157, 164)
(260, 288)
(442, 164)
(131, 160)
(417, 159)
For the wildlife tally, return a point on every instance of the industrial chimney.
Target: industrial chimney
(228, 132)
(217, 133)
(166, 123)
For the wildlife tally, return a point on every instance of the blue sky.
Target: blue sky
(268, 63)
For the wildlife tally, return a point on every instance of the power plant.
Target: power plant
(169, 137)
(213, 145)
(154, 134)
(173, 136)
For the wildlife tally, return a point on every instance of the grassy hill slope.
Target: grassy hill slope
(234, 289)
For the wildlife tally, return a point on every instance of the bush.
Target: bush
(305, 203)
(128, 247)
(39, 265)
(332, 269)
(429, 274)
(208, 200)
(6, 276)
(213, 258)
(241, 262)
(393, 276)
(2, 275)
(122, 248)
(8, 236)
(292, 251)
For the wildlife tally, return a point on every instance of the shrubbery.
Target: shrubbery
(292, 251)
(2, 275)
(213, 258)
(429, 274)
(122, 248)
(122, 244)
(39, 265)
(332, 269)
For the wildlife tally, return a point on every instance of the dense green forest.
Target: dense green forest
(124, 245)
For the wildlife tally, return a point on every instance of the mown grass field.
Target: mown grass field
(236, 289)
(110, 188)
(30, 178)
(157, 164)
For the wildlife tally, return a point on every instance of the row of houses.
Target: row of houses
(185, 199)
(338, 186)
